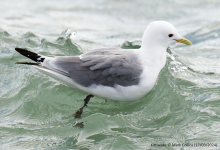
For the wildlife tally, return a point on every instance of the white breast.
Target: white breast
(129, 93)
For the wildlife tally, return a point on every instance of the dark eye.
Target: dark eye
(170, 35)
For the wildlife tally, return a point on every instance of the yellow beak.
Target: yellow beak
(183, 40)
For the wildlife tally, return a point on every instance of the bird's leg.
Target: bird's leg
(80, 111)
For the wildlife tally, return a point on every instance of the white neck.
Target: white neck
(153, 55)
(153, 50)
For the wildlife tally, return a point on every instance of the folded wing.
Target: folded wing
(107, 67)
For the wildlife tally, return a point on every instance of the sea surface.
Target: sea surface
(36, 111)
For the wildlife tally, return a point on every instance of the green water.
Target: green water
(36, 111)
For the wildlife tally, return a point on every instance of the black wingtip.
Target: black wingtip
(34, 56)
(27, 63)
(18, 49)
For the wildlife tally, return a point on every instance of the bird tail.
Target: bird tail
(31, 55)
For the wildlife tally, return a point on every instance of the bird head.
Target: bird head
(162, 33)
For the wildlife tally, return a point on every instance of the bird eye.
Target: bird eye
(170, 35)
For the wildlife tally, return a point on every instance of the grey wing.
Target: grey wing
(101, 67)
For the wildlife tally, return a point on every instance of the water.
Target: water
(36, 110)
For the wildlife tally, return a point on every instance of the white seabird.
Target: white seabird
(113, 73)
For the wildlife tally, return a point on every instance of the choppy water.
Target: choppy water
(36, 110)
